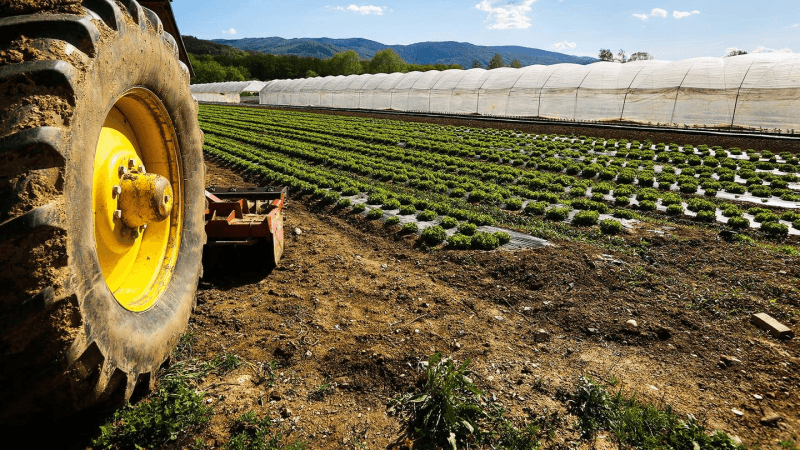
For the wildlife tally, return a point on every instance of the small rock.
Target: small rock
(757, 397)
(298, 231)
(458, 345)
(592, 331)
(309, 354)
(541, 335)
(499, 317)
(770, 418)
(490, 378)
(727, 361)
(631, 325)
(736, 439)
(737, 412)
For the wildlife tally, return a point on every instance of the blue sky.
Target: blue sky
(667, 29)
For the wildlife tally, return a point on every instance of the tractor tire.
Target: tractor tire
(90, 307)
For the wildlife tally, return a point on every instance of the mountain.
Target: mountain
(448, 52)
(203, 47)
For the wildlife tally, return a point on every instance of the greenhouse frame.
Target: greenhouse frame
(224, 92)
(756, 91)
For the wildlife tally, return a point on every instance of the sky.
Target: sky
(669, 30)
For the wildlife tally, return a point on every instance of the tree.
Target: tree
(621, 56)
(387, 61)
(311, 74)
(206, 70)
(345, 63)
(516, 64)
(496, 62)
(735, 52)
(477, 64)
(640, 56)
(606, 55)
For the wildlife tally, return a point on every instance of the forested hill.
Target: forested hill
(462, 53)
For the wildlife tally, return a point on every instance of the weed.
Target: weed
(172, 411)
(638, 425)
(265, 373)
(253, 433)
(226, 362)
(327, 387)
(448, 407)
(183, 350)
(789, 444)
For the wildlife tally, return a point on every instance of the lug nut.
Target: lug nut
(131, 163)
(116, 190)
(122, 171)
(118, 214)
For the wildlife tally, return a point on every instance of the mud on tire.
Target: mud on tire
(66, 344)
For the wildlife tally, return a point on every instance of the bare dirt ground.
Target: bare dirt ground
(354, 305)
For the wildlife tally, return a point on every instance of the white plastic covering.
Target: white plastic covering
(225, 92)
(752, 91)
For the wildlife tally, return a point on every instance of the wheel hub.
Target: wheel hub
(144, 198)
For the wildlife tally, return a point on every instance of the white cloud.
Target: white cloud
(682, 14)
(656, 12)
(229, 31)
(565, 45)
(363, 10)
(507, 16)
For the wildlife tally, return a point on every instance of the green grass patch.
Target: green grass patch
(633, 424)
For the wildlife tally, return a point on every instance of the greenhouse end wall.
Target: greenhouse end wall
(757, 91)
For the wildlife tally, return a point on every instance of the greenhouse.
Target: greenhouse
(756, 91)
(225, 92)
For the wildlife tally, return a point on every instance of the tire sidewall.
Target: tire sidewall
(134, 342)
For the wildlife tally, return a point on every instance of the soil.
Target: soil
(356, 305)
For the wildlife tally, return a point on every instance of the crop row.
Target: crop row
(464, 181)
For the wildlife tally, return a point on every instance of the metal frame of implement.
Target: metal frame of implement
(245, 216)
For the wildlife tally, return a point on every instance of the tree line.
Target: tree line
(265, 67)
(621, 57)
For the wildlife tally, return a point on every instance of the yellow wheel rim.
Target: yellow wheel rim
(137, 139)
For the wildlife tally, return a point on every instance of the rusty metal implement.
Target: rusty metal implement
(246, 217)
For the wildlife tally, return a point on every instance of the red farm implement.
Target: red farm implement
(249, 217)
